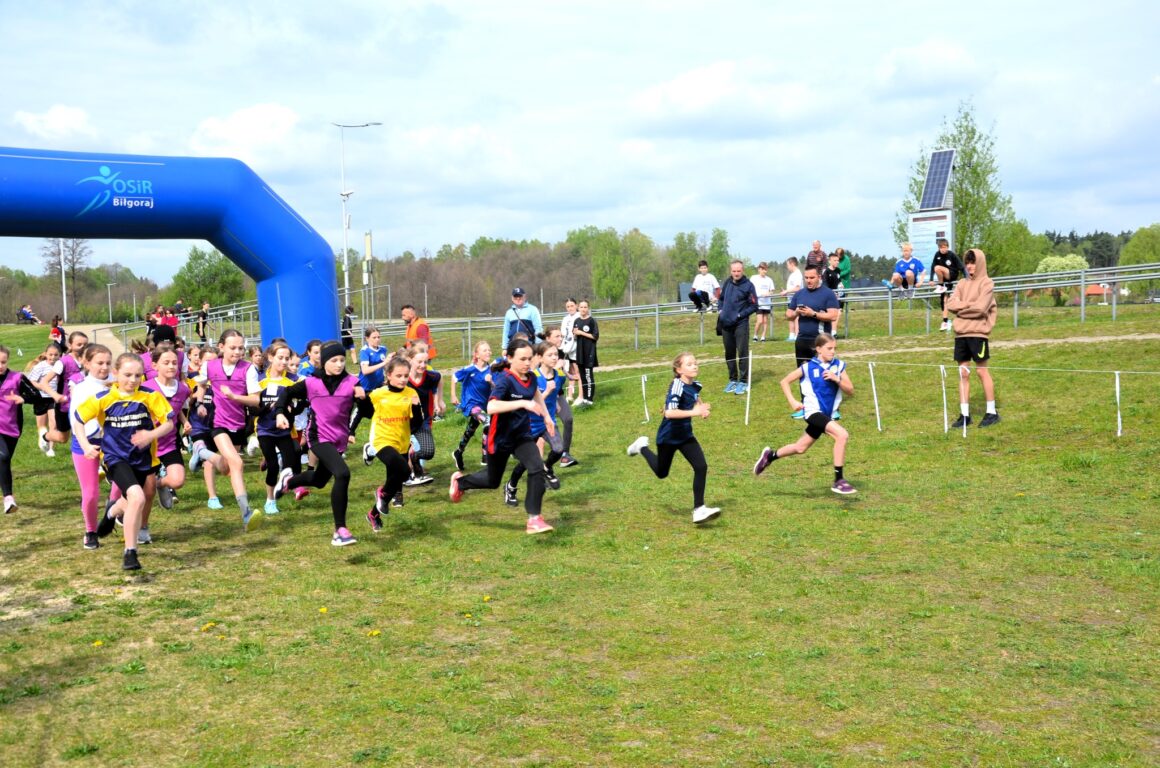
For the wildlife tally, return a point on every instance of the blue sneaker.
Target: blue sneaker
(741, 388)
(731, 387)
(837, 416)
(271, 507)
(194, 458)
(342, 538)
(798, 414)
(888, 284)
(214, 503)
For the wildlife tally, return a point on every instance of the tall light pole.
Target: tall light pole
(344, 194)
(109, 288)
(63, 292)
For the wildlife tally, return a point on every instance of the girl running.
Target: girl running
(476, 381)
(42, 373)
(555, 337)
(587, 333)
(429, 385)
(372, 360)
(823, 382)
(514, 397)
(550, 383)
(15, 391)
(97, 362)
(683, 403)
(176, 391)
(201, 411)
(229, 416)
(396, 414)
(331, 393)
(132, 421)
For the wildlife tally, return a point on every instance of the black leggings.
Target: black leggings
(272, 446)
(564, 411)
(468, 432)
(520, 469)
(330, 464)
(587, 382)
(661, 461)
(7, 451)
(526, 453)
(397, 471)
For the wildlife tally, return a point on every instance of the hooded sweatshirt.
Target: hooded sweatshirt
(973, 301)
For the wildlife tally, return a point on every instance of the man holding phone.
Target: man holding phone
(815, 308)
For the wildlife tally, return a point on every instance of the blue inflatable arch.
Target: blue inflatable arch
(137, 197)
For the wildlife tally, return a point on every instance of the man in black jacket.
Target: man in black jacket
(738, 302)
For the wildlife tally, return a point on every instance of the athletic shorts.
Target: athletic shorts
(169, 458)
(816, 424)
(764, 310)
(125, 476)
(63, 423)
(972, 348)
(42, 405)
(237, 438)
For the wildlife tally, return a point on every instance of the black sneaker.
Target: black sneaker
(552, 481)
(568, 460)
(107, 524)
(130, 561)
(989, 419)
(483, 460)
(91, 540)
(509, 496)
(397, 502)
(961, 421)
(458, 456)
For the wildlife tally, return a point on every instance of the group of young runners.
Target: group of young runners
(122, 418)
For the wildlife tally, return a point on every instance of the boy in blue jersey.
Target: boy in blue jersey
(823, 382)
(908, 271)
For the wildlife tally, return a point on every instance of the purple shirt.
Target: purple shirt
(228, 414)
(330, 414)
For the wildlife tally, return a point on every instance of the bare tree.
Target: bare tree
(76, 258)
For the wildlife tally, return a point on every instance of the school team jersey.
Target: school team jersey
(551, 400)
(177, 394)
(508, 429)
(681, 397)
(818, 394)
(427, 387)
(121, 416)
(12, 414)
(329, 413)
(272, 387)
(908, 265)
(69, 369)
(391, 424)
(86, 389)
(201, 425)
(474, 388)
(242, 380)
(372, 356)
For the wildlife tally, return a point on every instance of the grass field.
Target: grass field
(983, 601)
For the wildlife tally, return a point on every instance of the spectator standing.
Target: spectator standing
(347, 332)
(521, 317)
(587, 333)
(814, 306)
(202, 322)
(56, 334)
(793, 284)
(738, 302)
(816, 256)
(763, 285)
(845, 268)
(417, 330)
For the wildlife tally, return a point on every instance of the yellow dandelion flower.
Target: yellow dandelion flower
(98, 643)
(323, 609)
(208, 626)
(467, 615)
(374, 633)
(487, 598)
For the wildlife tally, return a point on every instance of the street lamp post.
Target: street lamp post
(345, 194)
(109, 288)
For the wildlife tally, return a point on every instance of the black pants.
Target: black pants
(330, 464)
(804, 349)
(587, 382)
(700, 299)
(661, 461)
(7, 450)
(271, 447)
(564, 411)
(397, 470)
(736, 340)
(518, 472)
(526, 453)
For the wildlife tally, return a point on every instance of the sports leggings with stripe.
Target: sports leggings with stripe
(661, 461)
(272, 446)
(526, 453)
(397, 471)
(7, 449)
(330, 464)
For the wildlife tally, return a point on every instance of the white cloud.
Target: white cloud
(254, 134)
(58, 122)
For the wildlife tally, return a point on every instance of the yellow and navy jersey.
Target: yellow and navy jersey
(391, 424)
(121, 416)
(272, 387)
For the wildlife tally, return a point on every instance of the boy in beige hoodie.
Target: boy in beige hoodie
(974, 308)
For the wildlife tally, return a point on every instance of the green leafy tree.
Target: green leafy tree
(609, 275)
(684, 254)
(1068, 263)
(208, 276)
(718, 254)
(1142, 248)
(639, 254)
(1015, 250)
(1103, 250)
(981, 208)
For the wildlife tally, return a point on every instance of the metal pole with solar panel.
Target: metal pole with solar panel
(935, 218)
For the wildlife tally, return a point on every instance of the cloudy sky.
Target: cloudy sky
(780, 122)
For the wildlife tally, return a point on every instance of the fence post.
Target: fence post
(470, 346)
(636, 333)
(889, 312)
(1115, 290)
(1016, 315)
(927, 303)
(845, 318)
(702, 314)
(657, 310)
(1082, 295)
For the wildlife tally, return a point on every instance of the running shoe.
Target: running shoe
(509, 495)
(50, 453)
(764, 460)
(129, 561)
(143, 536)
(42, 443)
(282, 486)
(271, 507)
(800, 413)
(195, 455)
(731, 387)
(551, 479)
(637, 446)
(741, 389)
(483, 460)
(455, 493)
(989, 419)
(214, 502)
(843, 487)
(940, 288)
(10, 505)
(791, 337)
(397, 502)
(250, 520)
(457, 456)
(568, 460)
(380, 501)
(960, 422)
(165, 497)
(301, 493)
(106, 524)
(368, 454)
(252, 445)
(703, 514)
(342, 538)
(375, 519)
(414, 480)
(91, 540)
(837, 416)
(537, 524)
(946, 325)
(888, 284)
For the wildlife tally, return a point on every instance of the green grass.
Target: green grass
(987, 601)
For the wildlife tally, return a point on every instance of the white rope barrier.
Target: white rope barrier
(1119, 418)
(748, 385)
(644, 397)
(946, 421)
(874, 390)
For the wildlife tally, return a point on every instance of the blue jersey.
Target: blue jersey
(681, 397)
(372, 356)
(912, 265)
(550, 400)
(121, 416)
(819, 299)
(508, 429)
(818, 394)
(474, 388)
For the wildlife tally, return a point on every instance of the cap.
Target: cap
(331, 349)
(518, 292)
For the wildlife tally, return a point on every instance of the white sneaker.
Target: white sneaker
(637, 445)
(41, 443)
(940, 288)
(368, 453)
(252, 445)
(143, 536)
(50, 453)
(703, 514)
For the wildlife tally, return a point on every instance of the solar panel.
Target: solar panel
(938, 179)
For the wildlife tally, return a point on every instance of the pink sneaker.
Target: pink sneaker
(536, 524)
(843, 487)
(301, 493)
(456, 494)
